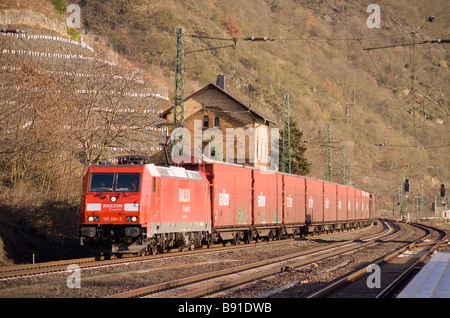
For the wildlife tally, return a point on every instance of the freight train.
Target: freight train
(146, 208)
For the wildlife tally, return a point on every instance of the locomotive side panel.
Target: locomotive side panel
(184, 205)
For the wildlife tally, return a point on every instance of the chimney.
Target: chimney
(221, 82)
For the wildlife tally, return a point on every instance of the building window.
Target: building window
(205, 121)
(216, 122)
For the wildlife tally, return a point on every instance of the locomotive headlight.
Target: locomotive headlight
(113, 199)
(93, 219)
(132, 219)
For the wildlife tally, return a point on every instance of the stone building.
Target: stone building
(220, 127)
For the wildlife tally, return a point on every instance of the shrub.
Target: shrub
(59, 6)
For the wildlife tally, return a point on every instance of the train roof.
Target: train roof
(170, 171)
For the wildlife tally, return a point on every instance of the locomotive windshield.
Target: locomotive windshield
(114, 182)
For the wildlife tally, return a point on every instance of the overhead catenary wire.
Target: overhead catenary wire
(408, 44)
(359, 40)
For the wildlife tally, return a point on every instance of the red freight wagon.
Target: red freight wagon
(329, 206)
(231, 195)
(365, 205)
(314, 201)
(294, 202)
(267, 201)
(351, 204)
(358, 202)
(342, 206)
(371, 206)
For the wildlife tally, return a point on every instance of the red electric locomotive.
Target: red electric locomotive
(140, 208)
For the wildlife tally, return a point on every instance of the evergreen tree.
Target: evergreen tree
(299, 163)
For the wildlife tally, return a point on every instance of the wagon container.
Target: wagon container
(294, 209)
(365, 206)
(351, 212)
(231, 199)
(267, 202)
(358, 203)
(329, 205)
(314, 204)
(342, 206)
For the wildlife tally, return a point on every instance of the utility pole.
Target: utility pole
(329, 171)
(349, 169)
(178, 105)
(286, 147)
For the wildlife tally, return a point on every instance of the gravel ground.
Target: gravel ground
(104, 281)
(302, 282)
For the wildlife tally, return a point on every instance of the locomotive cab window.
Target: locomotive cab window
(101, 182)
(128, 182)
(115, 182)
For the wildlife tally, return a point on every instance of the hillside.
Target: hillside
(368, 97)
(374, 100)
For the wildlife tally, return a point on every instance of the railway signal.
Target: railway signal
(406, 185)
(442, 190)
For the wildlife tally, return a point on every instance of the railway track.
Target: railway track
(239, 275)
(214, 282)
(19, 271)
(397, 268)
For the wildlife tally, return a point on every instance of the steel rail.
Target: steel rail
(15, 271)
(387, 291)
(273, 266)
(384, 259)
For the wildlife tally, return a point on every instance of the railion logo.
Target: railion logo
(113, 206)
(184, 195)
